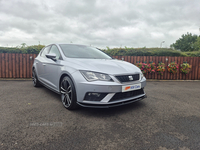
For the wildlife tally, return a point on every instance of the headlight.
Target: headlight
(141, 76)
(94, 76)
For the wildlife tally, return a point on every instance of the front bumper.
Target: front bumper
(111, 104)
(114, 95)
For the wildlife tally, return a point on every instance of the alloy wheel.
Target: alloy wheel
(66, 93)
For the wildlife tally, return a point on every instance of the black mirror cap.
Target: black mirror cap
(51, 56)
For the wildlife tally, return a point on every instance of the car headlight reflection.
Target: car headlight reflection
(94, 76)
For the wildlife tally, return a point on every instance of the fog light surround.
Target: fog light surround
(91, 96)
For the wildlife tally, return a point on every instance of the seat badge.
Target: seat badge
(130, 78)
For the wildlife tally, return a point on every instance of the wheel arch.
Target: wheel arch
(35, 68)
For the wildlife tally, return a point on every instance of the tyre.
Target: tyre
(36, 82)
(68, 93)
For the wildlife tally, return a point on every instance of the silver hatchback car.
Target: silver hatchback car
(86, 76)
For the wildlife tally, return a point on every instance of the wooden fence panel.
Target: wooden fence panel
(185, 59)
(172, 75)
(16, 65)
(157, 61)
(13, 66)
(20, 66)
(24, 65)
(165, 73)
(6, 62)
(178, 74)
(199, 70)
(190, 62)
(131, 60)
(1, 66)
(134, 59)
(154, 60)
(181, 75)
(27, 66)
(162, 59)
(144, 58)
(175, 75)
(149, 61)
(9, 66)
(196, 68)
(145, 61)
(193, 69)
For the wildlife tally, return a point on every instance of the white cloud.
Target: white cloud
(100, 23)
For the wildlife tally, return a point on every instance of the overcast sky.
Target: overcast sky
(100, 23)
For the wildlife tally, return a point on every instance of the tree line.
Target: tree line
(187, 45)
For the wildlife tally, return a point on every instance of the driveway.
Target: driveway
(34, 118)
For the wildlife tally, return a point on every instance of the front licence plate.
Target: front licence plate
(133, 87)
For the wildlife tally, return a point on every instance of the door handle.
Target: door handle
(44, 64)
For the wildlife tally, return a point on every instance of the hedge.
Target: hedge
(34, 49)
(193, 54)
(149, 52)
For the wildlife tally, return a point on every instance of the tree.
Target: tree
(197, 44)
(23, 45)
(185, 43)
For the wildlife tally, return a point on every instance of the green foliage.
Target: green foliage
(185, 43)
(23, 45)
(146, 68)
(143, 67)
(160, 68)
(172, 67)
(152, 67)
(143, 52)
(10, 50)
(185, 68)
(107, 48)
(197, 44)
(34, 49)
(193, 54)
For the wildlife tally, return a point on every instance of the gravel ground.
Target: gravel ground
(34, 118)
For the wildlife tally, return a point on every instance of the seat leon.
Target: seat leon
(86, 76)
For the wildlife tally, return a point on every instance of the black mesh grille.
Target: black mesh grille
(94, 96)
(123, 95)
(128, 78)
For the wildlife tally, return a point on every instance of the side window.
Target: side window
(45, 51)
(55, 50)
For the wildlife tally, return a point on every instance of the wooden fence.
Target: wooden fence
(16, 65)
(194, 61)
(19, 66)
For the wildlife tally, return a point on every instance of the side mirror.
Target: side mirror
(51, 56)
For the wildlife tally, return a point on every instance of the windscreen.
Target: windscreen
(82, 51)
